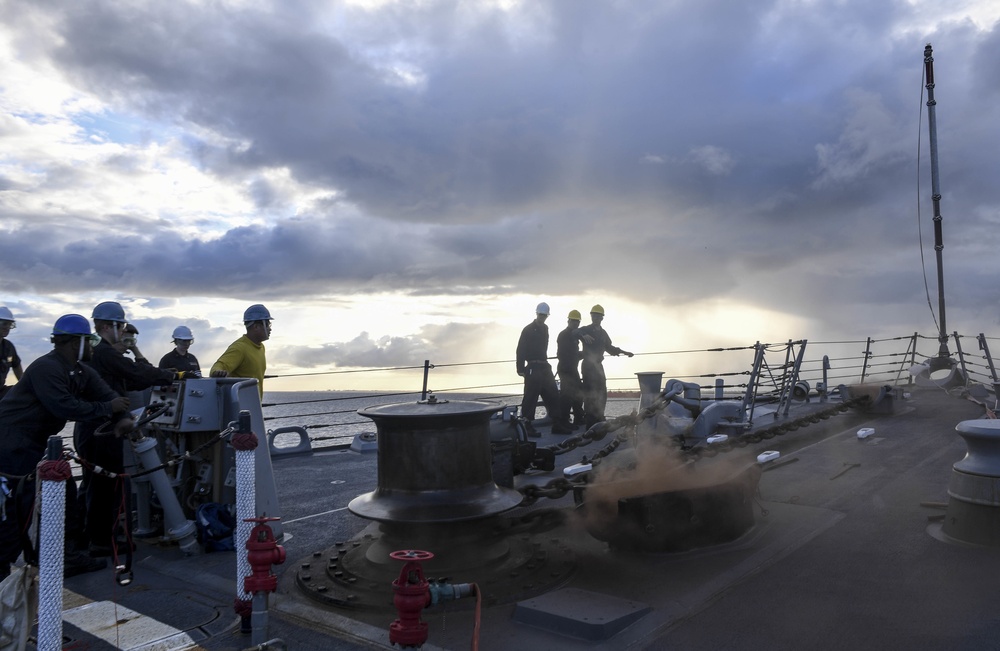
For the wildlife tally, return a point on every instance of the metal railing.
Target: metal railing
(753, 373)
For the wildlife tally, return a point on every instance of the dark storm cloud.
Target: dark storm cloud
(305, 255)
(499, 122)
(648, 148)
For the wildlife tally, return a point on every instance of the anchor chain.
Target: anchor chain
(553, 490)
(560, 486)
(599, 430)
(750, 438)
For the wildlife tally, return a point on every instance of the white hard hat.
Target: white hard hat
(543, 308)
(5, 314)
(182, 332)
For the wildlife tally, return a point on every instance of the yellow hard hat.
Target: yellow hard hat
(597, 309)
(574, 314)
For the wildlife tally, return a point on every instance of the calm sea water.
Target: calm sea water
(331, 418)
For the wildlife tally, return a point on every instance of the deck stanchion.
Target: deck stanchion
(985, 347)
(427, 369)
(52, 475)
(826, 382)
(959, 354)
(867, 358)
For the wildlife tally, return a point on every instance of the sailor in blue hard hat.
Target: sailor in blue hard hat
(55, 388)
(104, 495)
(246, 356)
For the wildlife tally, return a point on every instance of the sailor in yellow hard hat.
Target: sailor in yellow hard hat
(568, 370)
(596, 342)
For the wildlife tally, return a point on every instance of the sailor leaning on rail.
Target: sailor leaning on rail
(596, 342)
(246, 356)
(104, 495)
(9, 361)
(56, 388)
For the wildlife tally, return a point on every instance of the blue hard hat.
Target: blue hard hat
(256, 313)
(71, 324)
(109, 311)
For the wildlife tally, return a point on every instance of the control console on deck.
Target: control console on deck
(197, 405)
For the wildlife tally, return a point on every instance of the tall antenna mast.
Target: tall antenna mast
(943, 354)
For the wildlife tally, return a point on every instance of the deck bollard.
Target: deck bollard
(52, 474)
(649, 391)
(973, 512)
(244, 442)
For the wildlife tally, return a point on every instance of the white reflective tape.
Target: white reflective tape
(126, 629)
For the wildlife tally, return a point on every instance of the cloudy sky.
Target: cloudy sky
(400, 181)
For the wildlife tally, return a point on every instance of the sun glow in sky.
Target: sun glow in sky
(402, 180)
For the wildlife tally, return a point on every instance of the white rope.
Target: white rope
(50, 589)
(245, 508)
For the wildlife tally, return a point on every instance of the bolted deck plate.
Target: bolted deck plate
(345, 575)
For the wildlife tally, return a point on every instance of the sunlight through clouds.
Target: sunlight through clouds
(406, 178)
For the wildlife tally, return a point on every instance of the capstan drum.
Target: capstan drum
(434, 464)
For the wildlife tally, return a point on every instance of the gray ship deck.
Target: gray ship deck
(846, 553)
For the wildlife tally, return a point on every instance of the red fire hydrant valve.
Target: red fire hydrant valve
(263, 551)
(412, 594)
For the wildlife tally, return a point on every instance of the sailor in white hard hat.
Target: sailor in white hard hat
(533, 365)
(9, 361)
(180, 358)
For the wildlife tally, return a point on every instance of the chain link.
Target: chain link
(559, 487)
